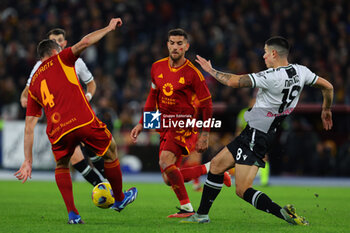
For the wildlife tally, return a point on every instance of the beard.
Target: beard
(175, 57)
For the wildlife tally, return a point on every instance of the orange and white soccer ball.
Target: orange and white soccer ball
(102, 195)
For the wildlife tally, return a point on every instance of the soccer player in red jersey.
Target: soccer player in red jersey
(176, 82)
(78, 161)
(70, 120)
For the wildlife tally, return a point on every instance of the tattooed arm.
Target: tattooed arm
(327, 92)
(232, 80)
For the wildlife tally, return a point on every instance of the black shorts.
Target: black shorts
(250, 147)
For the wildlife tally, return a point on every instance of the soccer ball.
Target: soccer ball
(102, 195)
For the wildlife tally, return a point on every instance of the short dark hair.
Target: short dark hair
(56, 31)
(178, 32)
(280, 44)
(45, 46)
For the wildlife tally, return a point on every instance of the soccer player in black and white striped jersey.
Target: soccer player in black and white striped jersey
(279, 90)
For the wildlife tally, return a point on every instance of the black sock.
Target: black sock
(211, 190)
(262, 202)
(98, 163)
(87, 172)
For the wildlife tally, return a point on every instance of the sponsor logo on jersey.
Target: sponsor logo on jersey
(55, 117)
(168, 89)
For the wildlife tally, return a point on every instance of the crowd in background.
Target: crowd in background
(231, 33)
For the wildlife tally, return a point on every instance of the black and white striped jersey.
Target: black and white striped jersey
(278, 95)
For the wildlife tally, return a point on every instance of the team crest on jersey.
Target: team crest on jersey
(160, 76)
(168, 89)
(182, 80)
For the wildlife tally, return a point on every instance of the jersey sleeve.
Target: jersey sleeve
(310, 77)
(67, 57)
(200, 87)
(32, 72)
(260, 79)
(83, 72)
(153, 83)
(33, 107)
(151, 101)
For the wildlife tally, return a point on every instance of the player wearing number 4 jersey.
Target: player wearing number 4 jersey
(70, 120)
(279, 90)
(78, 161)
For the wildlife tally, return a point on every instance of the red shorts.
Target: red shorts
(95, 135)
(180, 143)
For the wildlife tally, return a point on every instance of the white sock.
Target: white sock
(187, 207)
(207, 166)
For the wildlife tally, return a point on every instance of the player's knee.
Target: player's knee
(109, 156)
(77, 156)
(113, 148)
(111, 153)
(63, 162)
(163, 163)
(166, 159)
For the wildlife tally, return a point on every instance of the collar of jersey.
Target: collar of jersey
(278, 68)
(179, 68)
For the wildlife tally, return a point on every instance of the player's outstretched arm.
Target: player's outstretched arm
(95, 36)
(26, 169)
(202, 143)
(327, 92)
(135, 132)
(150, 105)
(232, 80)
(24, 97)
(90, 89)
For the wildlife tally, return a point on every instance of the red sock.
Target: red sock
(64, 184)
(190, 173)
(196, 181)
(114, 176)
(177, 183)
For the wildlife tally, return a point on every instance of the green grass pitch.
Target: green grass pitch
(38, 207)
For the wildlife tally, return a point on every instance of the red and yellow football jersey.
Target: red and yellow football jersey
(56, 89)
(178, 87)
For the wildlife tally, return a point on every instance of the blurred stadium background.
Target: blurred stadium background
(229, 32)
